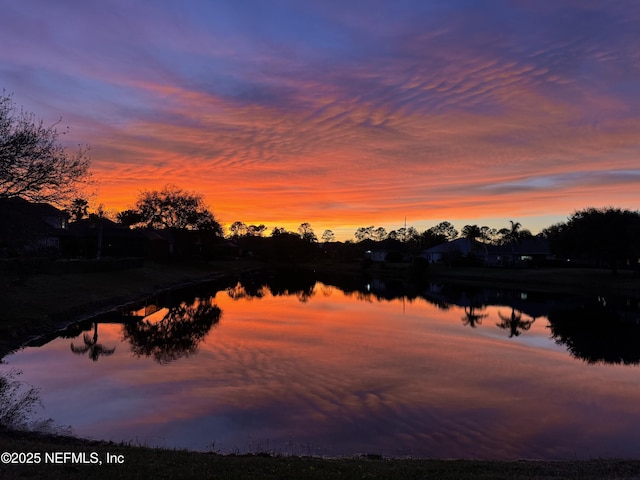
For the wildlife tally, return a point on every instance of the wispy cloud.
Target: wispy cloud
(342, 113)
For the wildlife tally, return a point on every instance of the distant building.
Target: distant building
(27, 228)
(460, 247)
(528, 251)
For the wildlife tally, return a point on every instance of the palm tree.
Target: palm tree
(473, 233)
(472, 318)
(79, 209)
(512, 236)
(91, 345)
(514, 323)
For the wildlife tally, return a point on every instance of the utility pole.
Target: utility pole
(404, 237)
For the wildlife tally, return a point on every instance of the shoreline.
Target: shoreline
(35, 307)
(38, 305)
(144, 462)
(134, 286)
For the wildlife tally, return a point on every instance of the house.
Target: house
(27, 228)
(388, 250)
(527, 251)
(89, 235)
(376, 255)
(458, 248)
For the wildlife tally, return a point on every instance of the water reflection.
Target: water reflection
(91, 346)
(514, 323)
(472, 317)
(348, 365)
(598, 331)
(176, 334)
(299, 283)
(602, 329)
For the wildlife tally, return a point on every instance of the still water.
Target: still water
(318, 369)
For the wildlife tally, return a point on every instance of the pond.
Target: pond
(289, 364)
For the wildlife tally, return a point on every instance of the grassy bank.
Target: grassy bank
(553, 280)
(141, 462)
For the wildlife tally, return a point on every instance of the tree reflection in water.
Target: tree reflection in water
(300, 283)
(176, 335)
(597, 332)
(92, 347)
(473, 318)
(514, 323)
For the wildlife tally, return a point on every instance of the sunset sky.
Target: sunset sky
(342, 113)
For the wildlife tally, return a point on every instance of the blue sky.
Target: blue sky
(342, 114)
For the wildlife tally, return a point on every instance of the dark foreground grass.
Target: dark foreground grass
(142, 462)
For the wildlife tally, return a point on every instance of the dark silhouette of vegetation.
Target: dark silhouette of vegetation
(33, 164)
(282, 245)
(514, 323)
(364, 233)
(91, 346)
(78, 209)
(328, 236)
(240, 229)
(598, 331)
(608, 236)
(514, 234)
(18, 401)
(177, 334)
(472, 317)
(445, 230)
(171, 208)
(306, 232)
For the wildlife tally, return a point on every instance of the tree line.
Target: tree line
(35, 166)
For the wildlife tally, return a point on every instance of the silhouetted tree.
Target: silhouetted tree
(256, 230)
(429, 238)
(175, 208)
(97, 219)
(328, 236)
(598, 331)
(514, 323)
(605, 235)
(364, 233)
(490, 235)
(471, 317)
(445, 229)
(238, 229)
(129, 218)
(276, 231)
(379, 234)
(513, 234)
(92, 347)
(177, 335)
(78, 209)
(33, 164)
(307, 233)
(473, 233)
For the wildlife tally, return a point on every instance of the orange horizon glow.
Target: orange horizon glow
(340, 116)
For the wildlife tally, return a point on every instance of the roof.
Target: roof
(20, 218)
(462, 245)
